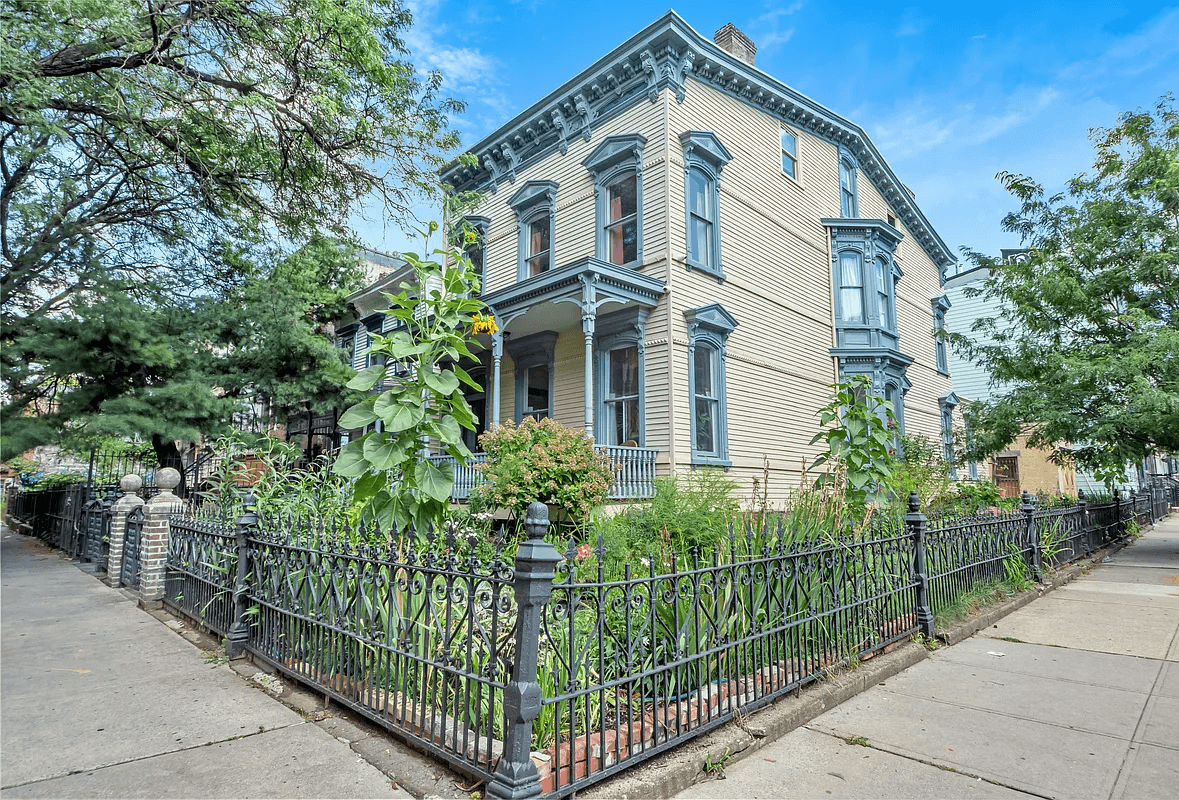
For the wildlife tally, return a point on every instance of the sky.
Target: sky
(951, 93)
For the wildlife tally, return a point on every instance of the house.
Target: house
(1019, 467)
(683, 253)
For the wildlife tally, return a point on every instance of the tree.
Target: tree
(1085, 345)
(138, 139)
(166, 370)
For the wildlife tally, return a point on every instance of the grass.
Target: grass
(858, 741)
(979, 596)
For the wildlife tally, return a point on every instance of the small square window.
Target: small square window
(892, 220)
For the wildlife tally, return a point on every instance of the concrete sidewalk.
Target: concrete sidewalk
(101, 699)
(1074, 696)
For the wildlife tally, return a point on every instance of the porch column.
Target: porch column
(589, 316)
(588, 319)
(497, 353)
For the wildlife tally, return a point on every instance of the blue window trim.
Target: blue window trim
(527, 352)
(704, 152)
(946, 406)
(625, 328)
(940, 306)
(534, 199)
(612, 159)
(846, 159)
(710, 326)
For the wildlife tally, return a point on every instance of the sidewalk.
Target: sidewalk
(101, 699)
(1074, 696)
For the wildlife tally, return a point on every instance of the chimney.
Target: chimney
(733, 41)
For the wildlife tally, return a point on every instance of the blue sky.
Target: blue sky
(951, 93)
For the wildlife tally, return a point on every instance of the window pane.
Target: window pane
(705, 425)
(788, 164)
(538, 391)
(622, 423)
(624, 372)
(624, 242)
(699, 244)
(622, 199)
(698, 193)
(851, 295)
(789, 153)
(883, 285)
(703, 368)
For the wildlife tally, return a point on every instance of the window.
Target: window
(947, 408)
(619, 376)
(701, 217)
(789, 153)
(708, 332)
(535, 207)
(940, 306)
(532, 357)
(896, 401)
(705, 400)
(617, 166)
(360, 344)
(848, 206)
(884, 287)
(704, 158)
(851, 287)
(536, 258)
(622, 397)
(622, 227)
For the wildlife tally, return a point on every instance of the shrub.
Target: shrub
(921, 467)
(542, 462)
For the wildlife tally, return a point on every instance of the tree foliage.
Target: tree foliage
(137, 136)
(1084, 348)
(151, 367)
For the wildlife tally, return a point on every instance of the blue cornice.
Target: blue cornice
(614, 150)
(664, 55)
(865, 228)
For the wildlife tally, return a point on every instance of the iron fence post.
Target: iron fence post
(1083, 511)
(1028, 507)
(516, 776)
(239, 631)
(915, 526)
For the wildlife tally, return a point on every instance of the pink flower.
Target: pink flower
(584, 551)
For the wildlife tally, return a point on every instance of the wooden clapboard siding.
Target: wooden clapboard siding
(575, 214)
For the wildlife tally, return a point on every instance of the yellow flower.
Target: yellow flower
(433, 226)
(484, 323)
(469, 237)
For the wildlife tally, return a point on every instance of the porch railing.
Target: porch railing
(634, 472)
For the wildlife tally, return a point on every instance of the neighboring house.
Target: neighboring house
(1020, 467)
(683, 253)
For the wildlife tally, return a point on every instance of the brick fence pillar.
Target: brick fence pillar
(153, 553)
(128, 501)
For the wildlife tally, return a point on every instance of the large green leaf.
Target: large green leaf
(367, 486)
(435, 480)
(444, 382)
(397, 416)
(449, 430)
(367, 378)
(383, 451)
(351, 462)
(358, 416)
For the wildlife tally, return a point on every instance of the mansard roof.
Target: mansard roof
(664, 55)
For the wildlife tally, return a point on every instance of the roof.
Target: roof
(664, 55)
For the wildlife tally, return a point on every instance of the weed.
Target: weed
(859, 741)
(930, 643)
(1011, 639)
(716, 767)
(945, 769)
(216, 657)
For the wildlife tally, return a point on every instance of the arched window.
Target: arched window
(535, 206)
(708, 332)
(848, 199)
(617, 166)
(704, 158)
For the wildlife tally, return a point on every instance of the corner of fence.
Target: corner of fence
(516, 775)
(239, 632)
(916, 525)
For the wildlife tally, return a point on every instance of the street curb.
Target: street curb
(668, 774)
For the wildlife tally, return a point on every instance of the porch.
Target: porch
(634, 472)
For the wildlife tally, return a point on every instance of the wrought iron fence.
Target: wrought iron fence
(967, 551)
(132, 548)
(202, 565)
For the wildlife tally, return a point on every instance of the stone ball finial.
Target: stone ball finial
(167, 479)
(130, 484)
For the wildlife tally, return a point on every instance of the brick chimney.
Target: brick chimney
(733, 41)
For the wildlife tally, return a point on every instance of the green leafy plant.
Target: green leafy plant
(1016, 571)
(419, 395)
(860, 440)
(921, 466)
(716, 766)
(542, 461)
